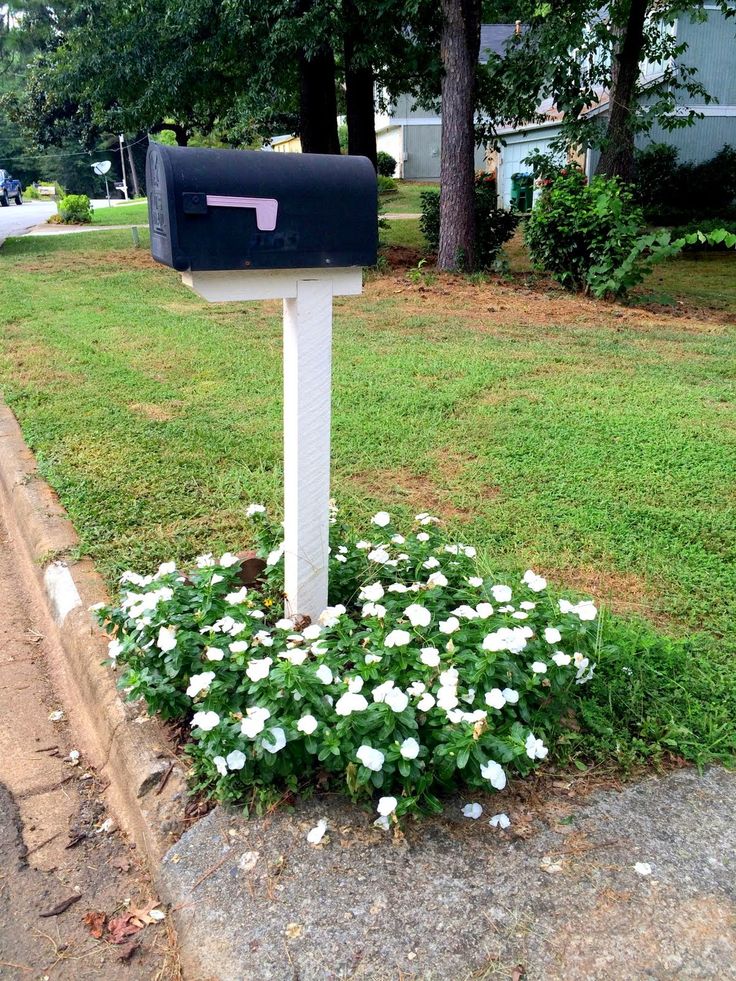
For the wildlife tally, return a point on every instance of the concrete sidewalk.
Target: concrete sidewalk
(455, 899)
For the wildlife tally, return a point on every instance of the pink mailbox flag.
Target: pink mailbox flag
(266, 208)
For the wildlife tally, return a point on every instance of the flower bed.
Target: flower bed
(423, 675)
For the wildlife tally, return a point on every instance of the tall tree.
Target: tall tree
(459, 48)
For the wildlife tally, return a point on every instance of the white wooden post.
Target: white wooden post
(307, 387)
(307, 295)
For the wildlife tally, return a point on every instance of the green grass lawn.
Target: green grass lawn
(407, 200)
(122, 214)
(404, 232)
(593, 442)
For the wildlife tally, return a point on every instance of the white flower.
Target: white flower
(450, 625)
(494, 773)
(205, 561)
(643, 868)
(259, 668)
(315, 836)
(426, 519)
(539, 667)
(437, 579)
(227, 560)
(447, 697)
(449, 677)
(422, 536)
(484, 610)
(235, 760)
(426, 702)
(205, 720)
(473, 811)
(355, 684)
(419, 616)
(587, 610)
(416, 688)
(363, 545)
(396, 699)
(398, 587)
(331, 614)
(372, 759)
(263, 637)
(552, 635)
(409, 748)
(294, 656)
(372, 593)
(475, 581)
(501, 594)
(383, 823)
(511, 695)
(373, 659)
(500, 821)
(520, 615)
(533, 581)
(535, 748)
(386, 806)
(214, 654)
(324, 674)
(166, 569)
(199, 683)
(114, 649)
(561, 659)
(381, 519)
(373, 610)
(470, 552)
(238, 646)
(307, 724)
(312, 631)
(350, 702)
(234, 599)
(275, 556)
(379, 555)
(284, 624)
(279, 740)
(507, 639)
(166, 640)
(431, 563)
(398, 539)
(430, 656)
(380, 691)
(397, 638)
(221, 765)
(254, 722)
(495, 698)
(254, 509)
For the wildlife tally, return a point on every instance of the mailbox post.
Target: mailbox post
(249, 225)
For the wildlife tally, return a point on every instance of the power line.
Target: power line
(64, 153)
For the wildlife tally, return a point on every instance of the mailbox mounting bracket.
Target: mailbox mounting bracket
(307, 296)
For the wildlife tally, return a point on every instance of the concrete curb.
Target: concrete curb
(132, 752)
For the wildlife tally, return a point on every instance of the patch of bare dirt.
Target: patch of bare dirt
(401, 486)
(619, 591)
(157, 413)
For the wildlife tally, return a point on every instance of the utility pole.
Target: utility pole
(122, 164)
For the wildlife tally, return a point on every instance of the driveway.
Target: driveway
(15, 220)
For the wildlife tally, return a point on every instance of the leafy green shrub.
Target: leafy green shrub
(494, 226)
(385, 164)
(706, 226)
(75, 209)
(576, 225)
(422, 675)
(31, 194)
(671, 192)
(387, 185)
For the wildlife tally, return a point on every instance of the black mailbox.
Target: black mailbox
(250, 209)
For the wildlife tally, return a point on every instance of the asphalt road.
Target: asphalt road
(16, 220)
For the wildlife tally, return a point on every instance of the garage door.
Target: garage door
(510, 161)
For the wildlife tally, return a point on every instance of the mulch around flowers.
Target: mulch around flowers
(615, 883)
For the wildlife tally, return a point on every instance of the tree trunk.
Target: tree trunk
(318, 102)
(617, 157)
(359, 84)
(133, 174)
(459, 47)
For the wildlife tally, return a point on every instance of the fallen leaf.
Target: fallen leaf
(122, 928)
(121, 864)
(95, 923)
(62, 907)
(293, 930)
(125, 953)
(518, 973)
(549, 865)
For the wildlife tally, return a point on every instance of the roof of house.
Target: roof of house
(493, 38)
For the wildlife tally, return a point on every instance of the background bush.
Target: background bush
(671, 192)
(386, 164)
(75, 209)
(494, 225)
(387, 185)
(706, 226)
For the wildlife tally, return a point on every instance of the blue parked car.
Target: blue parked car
(9, 188)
